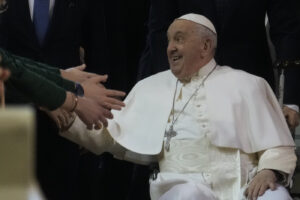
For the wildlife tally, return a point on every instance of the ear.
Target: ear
(207, 44)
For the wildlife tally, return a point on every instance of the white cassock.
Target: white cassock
(231, 129)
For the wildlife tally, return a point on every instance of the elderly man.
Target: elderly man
(217, 133)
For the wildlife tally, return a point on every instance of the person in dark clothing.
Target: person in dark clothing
(50, 32)
(241, 35)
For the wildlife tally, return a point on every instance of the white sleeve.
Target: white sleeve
(282, 159)
(100, 141)
(96, 141)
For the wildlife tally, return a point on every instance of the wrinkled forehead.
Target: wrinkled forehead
(182, 26)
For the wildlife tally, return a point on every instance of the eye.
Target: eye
(179, 39)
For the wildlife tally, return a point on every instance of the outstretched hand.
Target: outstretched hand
(77, 74)
(263, 180)
(92, 113)
(96, 105)
(106, 98)
(61, 117)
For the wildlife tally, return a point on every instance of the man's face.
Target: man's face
(184, 48)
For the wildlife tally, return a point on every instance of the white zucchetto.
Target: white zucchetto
(199, 19)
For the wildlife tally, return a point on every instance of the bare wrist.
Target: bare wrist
(75, 103)
(62, 72)
(69, 101)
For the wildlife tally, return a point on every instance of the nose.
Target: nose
(171, 48)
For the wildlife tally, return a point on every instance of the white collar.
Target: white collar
(204, 71)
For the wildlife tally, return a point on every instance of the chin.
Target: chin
(175, 73)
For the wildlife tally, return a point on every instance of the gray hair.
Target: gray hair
(206, 32)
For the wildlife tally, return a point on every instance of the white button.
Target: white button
(207, 175)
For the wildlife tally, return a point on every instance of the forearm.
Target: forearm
(36, 66)
(16, 63)
(100, 141)
(39, 90)
(96, 141)
(48, 72)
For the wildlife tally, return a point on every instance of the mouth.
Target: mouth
(174, 59)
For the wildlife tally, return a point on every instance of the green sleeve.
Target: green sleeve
(38, 89)
(33, 86)
(46, 71)
(34, 65)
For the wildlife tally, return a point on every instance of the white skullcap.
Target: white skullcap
(199, 19)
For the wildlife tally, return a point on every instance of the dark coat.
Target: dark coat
(57, 160)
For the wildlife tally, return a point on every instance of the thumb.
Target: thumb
(81, 67)
(272, 186)
(99, 79)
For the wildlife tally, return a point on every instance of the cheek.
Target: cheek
(195, 57)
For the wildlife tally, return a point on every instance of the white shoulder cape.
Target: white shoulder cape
(242, 110)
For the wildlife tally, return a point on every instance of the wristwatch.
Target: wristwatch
(79, 91)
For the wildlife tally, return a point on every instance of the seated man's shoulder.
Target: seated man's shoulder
(239, 75)
(240, 79)
(158, 78)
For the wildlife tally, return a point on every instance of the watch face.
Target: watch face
(79, 90)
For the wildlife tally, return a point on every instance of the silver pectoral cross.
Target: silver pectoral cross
(169, 134)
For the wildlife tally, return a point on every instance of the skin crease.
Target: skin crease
(185, 43)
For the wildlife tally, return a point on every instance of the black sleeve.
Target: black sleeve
(284, 18)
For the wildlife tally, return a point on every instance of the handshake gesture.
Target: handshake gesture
(93, 106)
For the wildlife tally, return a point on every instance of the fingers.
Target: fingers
(291, 116)
(98, 125)
(253, 191)
(262, 189)
(90, 75)
(249, 191)
(66, 117)
(115, 103)
(104, 121)
(115, 93)
(272, 186)
(99, 79)
(62, 118)
(81, 67)
(256, 191)
(107, 114)
(101, 86)
(57, 122)
(112, 106)
(261, 182)
(293, 120)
